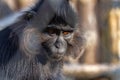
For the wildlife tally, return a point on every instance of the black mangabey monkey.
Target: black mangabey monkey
(33, 48)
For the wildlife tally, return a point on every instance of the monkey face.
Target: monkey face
(56, 40)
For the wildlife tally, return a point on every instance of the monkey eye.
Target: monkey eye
(51, 31)
(66, 32)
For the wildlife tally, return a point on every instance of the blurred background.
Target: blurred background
(99, 25)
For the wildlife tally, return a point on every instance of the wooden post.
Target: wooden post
(88, 27)
(114, 23)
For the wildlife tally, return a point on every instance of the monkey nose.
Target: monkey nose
(57, 45)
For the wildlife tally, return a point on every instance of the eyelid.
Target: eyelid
(51, 26)
(67, 34)
(61, 27)
(69, 31)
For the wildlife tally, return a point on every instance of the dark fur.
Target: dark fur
(22, 53)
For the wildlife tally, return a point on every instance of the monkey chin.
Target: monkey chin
(56, 54)
(56, 57)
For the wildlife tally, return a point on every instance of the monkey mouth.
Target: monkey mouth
(54, 54)
(56, 57)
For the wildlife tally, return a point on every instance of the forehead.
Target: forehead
(60, 27)
(62, 21)
(58, 20)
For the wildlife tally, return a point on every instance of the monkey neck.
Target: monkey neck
(33, 69)
(44, 61)
(50, 70)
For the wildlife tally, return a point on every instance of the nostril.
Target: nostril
(57, 45)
